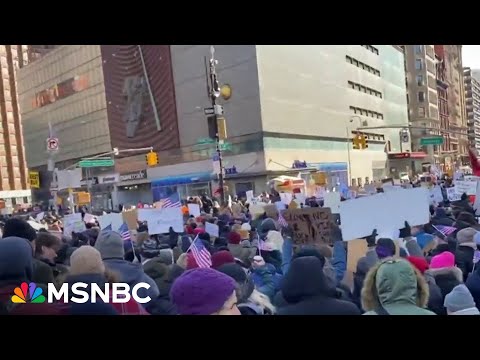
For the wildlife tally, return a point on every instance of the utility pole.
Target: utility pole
(214, 92)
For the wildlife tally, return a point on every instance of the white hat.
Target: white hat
(246, 226)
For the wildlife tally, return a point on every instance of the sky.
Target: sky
(471, 56)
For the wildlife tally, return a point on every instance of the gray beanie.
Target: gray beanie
(110, 245)
(459, 299)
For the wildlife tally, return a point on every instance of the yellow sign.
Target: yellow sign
(34, 179)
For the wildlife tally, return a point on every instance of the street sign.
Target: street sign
(437, 140)
(209, 111)
(96, 163)
(52, 144)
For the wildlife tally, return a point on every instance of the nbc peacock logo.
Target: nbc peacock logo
(28, 293)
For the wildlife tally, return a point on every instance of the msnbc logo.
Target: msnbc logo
(28, 293)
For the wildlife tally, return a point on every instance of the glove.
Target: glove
(406, 231)
(372, 239)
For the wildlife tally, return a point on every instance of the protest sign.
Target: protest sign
(211, 229)
(115, 220)
(332, 200)
(73, 223)
(309, 225)
(467, 187)
(436, 195)
(384, 212)
(40, 216)
(280, 206)
(286, 198)
(452, 194)
(249, 195)
(89, 218)
(130, 217)
(194, 209)
(160, 220)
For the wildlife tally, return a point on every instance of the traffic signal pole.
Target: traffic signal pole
(214, 92)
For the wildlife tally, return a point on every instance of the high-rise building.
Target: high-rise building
(472, 100)
(436, 101)
(14, 177)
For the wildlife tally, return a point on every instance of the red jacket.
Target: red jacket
(45, 308)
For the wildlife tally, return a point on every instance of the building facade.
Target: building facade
(472, 101)
(14, 176)
(286, 108)
(290, 104)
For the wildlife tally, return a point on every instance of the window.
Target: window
(418, 49)
(421, 112)
(362, 65)
(421, 96)
(351, 85)
(418, 64)
(420, 80)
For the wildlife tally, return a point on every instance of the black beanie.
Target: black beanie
(19, 228)
(310, 251)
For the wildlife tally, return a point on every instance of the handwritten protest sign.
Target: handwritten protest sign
(309, 225)
(468, 187)
(115, 220)
(160, 220)
(452, 195)
(130, 217)
(194, 209)
(73, 223)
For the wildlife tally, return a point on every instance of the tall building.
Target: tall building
(291, 106)
(436, 102)
(14, 177)
(472, 100)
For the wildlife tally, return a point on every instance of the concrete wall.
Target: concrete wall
(80, 120)
(238, 67)
(304, 88)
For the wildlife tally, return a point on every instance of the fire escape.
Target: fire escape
(442, 92)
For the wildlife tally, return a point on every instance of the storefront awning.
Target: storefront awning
(183, 179)
(328, 167)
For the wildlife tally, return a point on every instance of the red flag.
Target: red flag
(474, 162)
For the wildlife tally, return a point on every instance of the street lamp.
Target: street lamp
(362, 123)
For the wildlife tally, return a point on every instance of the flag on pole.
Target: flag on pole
(445, 230)
(124, 232)
(172, 201)
(201, 254)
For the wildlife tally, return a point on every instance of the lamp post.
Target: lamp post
(349, 166)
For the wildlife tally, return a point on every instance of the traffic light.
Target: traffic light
(360, 142)
(152, 158)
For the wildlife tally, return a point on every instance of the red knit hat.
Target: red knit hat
(234, 238)
(221, 258)
(419, 262)
(198, 231)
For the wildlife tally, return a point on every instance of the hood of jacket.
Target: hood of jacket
(391, 282)
(304, 279)
(16, 260)
(129, 272)
(453, 272)
(469, 311)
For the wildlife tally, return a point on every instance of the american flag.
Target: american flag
(445, 230)
(172, 201)
(201, 254)
(281, 221)
(125, 232)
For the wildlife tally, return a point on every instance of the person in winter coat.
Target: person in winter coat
(460, 302)
(384, 248)
(86, 266)
(395, 287)
(447, 276)
(422, 237)
(16, 267)
(307, 292)
(238, 251)
(435, 299)
(441, 218)
(204, 291)
(265, 277)
(466, 246)
(18, 228)
(46, 248)
(110, 246)
(410, 243)
(249, 300)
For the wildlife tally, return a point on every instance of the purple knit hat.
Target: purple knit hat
(201, 291)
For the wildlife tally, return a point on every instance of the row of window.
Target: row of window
(373, 49)
(363, 66)
(365, 112)
(365, 89)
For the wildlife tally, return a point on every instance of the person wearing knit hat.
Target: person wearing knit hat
(466, 247)
(110, 246)
(245, 254)
(385, 248)
(460, 302)
(435, 299)
(204, 291)
(446, 274)
(221, 258)
(86, 266)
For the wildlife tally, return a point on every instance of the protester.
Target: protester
(465, 248)
(110, 246)
(446, 275)
(204, 291)
(460, 302)
(394, 287)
